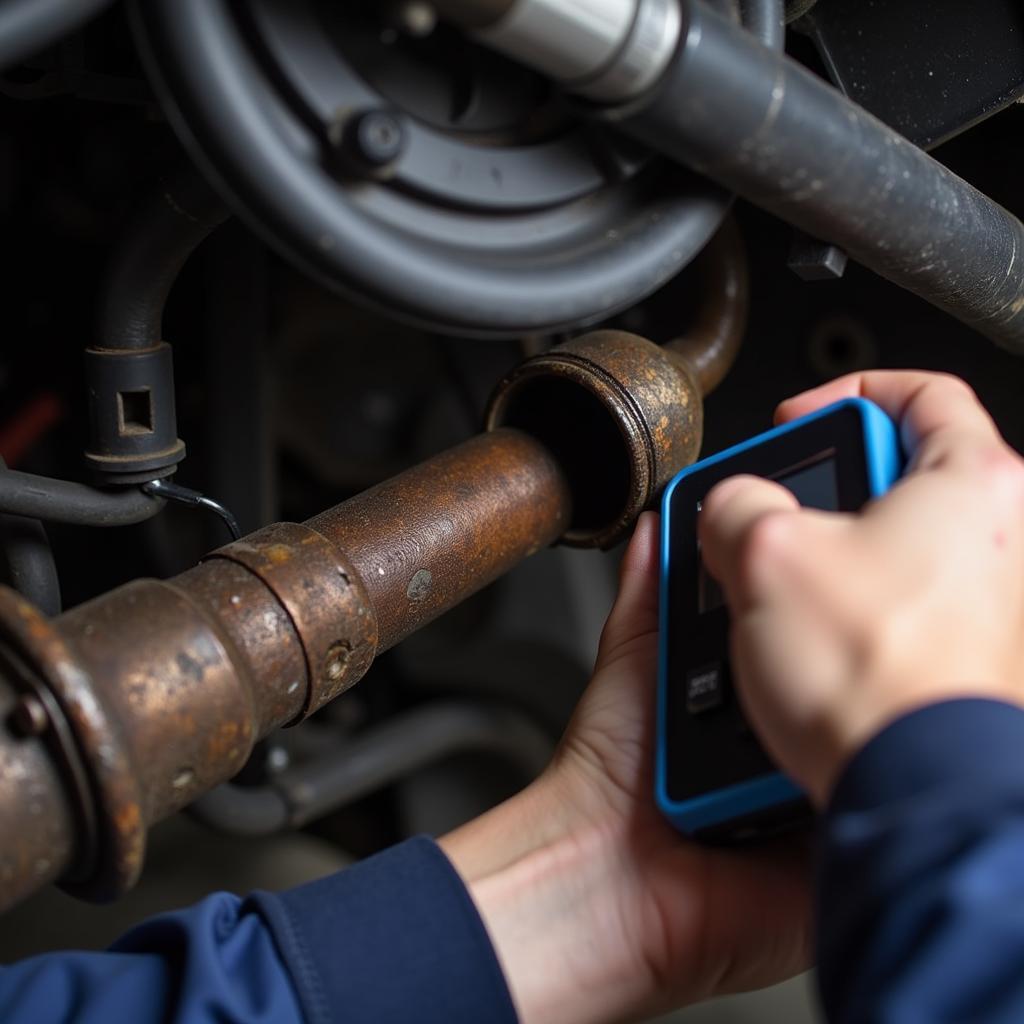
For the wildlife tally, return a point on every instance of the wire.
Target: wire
(186, 496)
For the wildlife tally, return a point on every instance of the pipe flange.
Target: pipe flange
(113, 864)
(621, 416)
(331, 611)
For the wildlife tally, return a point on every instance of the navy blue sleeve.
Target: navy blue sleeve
(214, 962)
(394, 938)
(920, 914)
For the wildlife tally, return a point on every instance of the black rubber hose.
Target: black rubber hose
(28, 26)
(379, 758)
(150, 256)
(28, 560)
(62, 501)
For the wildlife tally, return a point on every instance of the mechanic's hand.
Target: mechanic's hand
(598, 910)
(843, 623)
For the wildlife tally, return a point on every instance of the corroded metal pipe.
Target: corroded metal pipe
(125, 709)
(160, 689)
(711, 345)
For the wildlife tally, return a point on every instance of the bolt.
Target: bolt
(814, 260)
(413, 17)
(374, 139)
(28, 717)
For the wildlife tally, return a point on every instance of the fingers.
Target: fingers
(939, 415)
(635, 612)
(744, 523)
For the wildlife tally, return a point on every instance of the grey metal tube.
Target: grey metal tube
(778, 135)
(764, 126)
(381, 757)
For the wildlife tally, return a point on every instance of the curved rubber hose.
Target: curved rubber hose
(28, 26)
(62, 501)
(150, 256)
(27, 561)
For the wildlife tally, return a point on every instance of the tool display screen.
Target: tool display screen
(814, 483)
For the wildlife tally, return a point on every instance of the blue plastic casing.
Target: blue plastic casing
(884, 461)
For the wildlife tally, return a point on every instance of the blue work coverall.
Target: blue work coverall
(920, 915)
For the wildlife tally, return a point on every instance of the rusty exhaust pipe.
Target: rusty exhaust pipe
(123, 710)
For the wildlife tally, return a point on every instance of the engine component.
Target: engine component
(799, 149)
(486, 207)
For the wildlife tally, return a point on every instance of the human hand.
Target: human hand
(598, 910)
(841, 624)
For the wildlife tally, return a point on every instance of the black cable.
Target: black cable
(62, 501)
(28, 26)
(27, 560)
(193, 499)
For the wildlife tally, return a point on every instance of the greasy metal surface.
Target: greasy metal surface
(160, 664)
(711, 345)
(325, 600)
(646, 392)
(428, 538)
(36, 820)
(114, 774)
(270, 652)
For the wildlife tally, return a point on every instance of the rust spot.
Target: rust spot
(419, 585)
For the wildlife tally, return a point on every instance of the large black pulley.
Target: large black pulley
(437, 181)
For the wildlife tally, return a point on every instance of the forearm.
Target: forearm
(548, 883)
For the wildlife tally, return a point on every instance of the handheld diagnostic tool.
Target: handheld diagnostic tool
(713, 779)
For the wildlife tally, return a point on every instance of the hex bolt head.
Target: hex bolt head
(374, 139)
(28, 717)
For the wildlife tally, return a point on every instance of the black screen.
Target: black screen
(813, 483)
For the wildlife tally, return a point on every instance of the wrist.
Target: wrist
(544, 877)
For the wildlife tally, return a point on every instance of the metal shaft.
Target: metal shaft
(764, 126)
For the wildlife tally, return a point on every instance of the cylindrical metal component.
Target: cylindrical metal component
(769, 129)
(621, 415)
(325, 599)
(619, 47)
(159, 689)
(425, 540)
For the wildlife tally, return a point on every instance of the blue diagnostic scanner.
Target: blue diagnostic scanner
(713, 780)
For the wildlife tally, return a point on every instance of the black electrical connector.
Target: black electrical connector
(133, 426)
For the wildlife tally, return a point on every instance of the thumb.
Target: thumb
(744, 522)
(635, 612)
